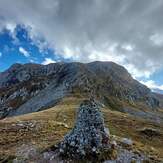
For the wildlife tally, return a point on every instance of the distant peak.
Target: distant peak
(15, 66)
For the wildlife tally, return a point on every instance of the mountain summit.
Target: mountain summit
(26, 88)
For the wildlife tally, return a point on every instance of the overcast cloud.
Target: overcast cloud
(129, 32)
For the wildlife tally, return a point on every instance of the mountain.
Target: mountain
(158, 91)
(94, 111)
(26, 88)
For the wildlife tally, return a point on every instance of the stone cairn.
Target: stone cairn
(89, 139)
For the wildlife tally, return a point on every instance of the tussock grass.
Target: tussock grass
(51, 125)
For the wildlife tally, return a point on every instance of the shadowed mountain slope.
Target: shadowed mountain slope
(33, 87)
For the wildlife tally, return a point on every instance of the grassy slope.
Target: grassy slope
(51, 125)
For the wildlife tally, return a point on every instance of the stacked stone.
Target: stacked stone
(89, 137)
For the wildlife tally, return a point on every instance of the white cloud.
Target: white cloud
(31, 60)
(127, 47)
(68, 53)
(11, 27)
(24, 52)
(128, 32)
(48, 61)
(152, 85)
(0, 54)
(157, 39)
(137, 73)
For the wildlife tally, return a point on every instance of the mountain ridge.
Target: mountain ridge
(34, 87)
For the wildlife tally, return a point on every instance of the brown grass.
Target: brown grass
(51, 125)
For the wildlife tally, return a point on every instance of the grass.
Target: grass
(124, 125)
(50, 126)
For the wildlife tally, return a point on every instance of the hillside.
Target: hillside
(32, 87)
(39, 106)
(39, 131)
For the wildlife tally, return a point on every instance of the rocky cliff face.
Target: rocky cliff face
(33, 87)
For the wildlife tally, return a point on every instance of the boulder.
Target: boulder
(88, 138)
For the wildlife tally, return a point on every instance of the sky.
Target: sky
(128, 32)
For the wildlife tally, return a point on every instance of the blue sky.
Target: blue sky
(19, 48)
(128, 32)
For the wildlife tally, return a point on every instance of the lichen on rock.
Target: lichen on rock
(88, 139)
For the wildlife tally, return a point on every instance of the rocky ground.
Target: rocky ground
(90, 141)
(32, 137)
(89, 137)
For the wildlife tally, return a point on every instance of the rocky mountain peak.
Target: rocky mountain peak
(15, 66)
(23, 86)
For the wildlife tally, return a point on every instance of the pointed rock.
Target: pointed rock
(88, 138)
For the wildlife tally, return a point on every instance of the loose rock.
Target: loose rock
(89, 137)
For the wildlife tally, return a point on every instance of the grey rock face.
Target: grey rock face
(22, 83)
(46, 98)
(88, 137)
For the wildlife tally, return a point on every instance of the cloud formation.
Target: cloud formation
(129, 32)
(48, 61)
(152, 85)
(24, 52)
